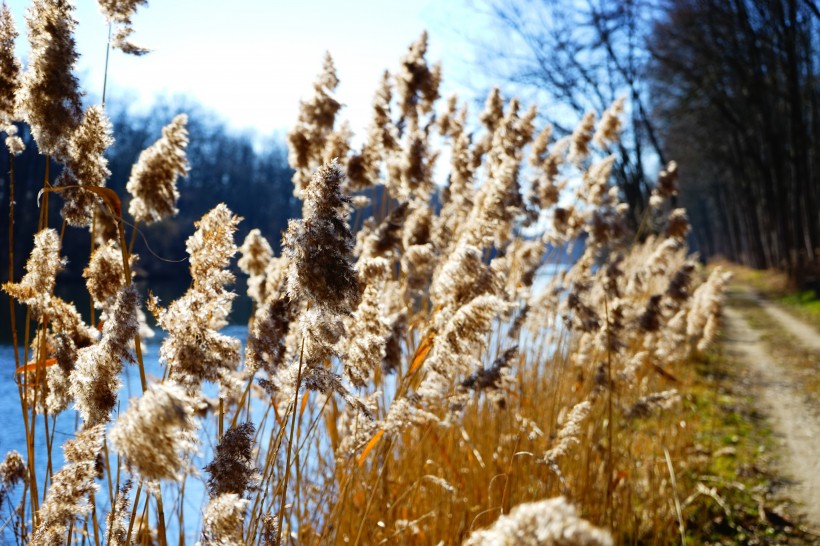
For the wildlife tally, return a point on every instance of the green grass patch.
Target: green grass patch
(732, 492)
(806, 304)
(803, 362)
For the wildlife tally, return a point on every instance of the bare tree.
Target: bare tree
(742, 80)
(729, 88)
(584, 55)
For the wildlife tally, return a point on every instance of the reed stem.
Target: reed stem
(290, 443)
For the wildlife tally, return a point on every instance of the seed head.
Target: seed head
(550, 522)
(157, 432)
(49, 98)
(233, 469)
(9, 67)
(85, 165)
(68, 494)
(154, 176)
(319, 247)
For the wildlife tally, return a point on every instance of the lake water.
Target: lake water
(12, 433)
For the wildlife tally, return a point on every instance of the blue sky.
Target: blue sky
(252, 60)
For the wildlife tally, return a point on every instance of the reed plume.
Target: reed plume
(222, 520)
(308, 138)
(157, 432)
(319, 246)
(120, 12)
(233, 470)
(153, 178)
(116, 522)
(416, 83)
(364, 168)
(57, 317)
(581, 138)
(67, 497)
(10, 67)
(104, 274)
(609, 128)
(550, 522)
(570, 433)
(667, 184)
(85, 165)
(12, 472)
(256, 253)
(267, 339)
(50, 98)
(42, 266)
(14, 143)
(12, 469)
(95, 380)
(364, 345)
(194, 348)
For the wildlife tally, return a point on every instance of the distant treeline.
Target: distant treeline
(253, 180)
(728, 90)
(737, 87)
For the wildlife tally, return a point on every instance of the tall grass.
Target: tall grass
(461, 341)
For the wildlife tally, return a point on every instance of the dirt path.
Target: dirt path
(807, 335)
(792, 411)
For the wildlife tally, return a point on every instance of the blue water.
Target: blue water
(13, 436)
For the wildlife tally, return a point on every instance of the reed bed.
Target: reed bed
(462, 341)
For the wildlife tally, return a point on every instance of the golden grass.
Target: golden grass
(769, 282)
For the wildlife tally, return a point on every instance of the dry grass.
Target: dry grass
(409, 383)
(769, 282)
(782, 345)
(776, 286)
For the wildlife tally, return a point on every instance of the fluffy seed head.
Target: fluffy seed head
(194, 348)
(116, 523)
(570, 431)
(157, 432)
(104, 274)
(581, 137)
(120, 12)
(677, 225)
(417, 84)
(233, 469)
(41, 271)
(256, 253)
(222, 520)
(463, 277)
(12, 469)
(609, 127)
(49, 98)
(68, 494)
(550, 522)
(308, 139)
(9, 66)
(13, 142)
(153, 178)
(667, 185)
(95, 380)
(367, 331)
(85, 165)
(267, 338)
(319, 246)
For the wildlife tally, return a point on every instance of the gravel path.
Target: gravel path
(807, 335)
(792, 411)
